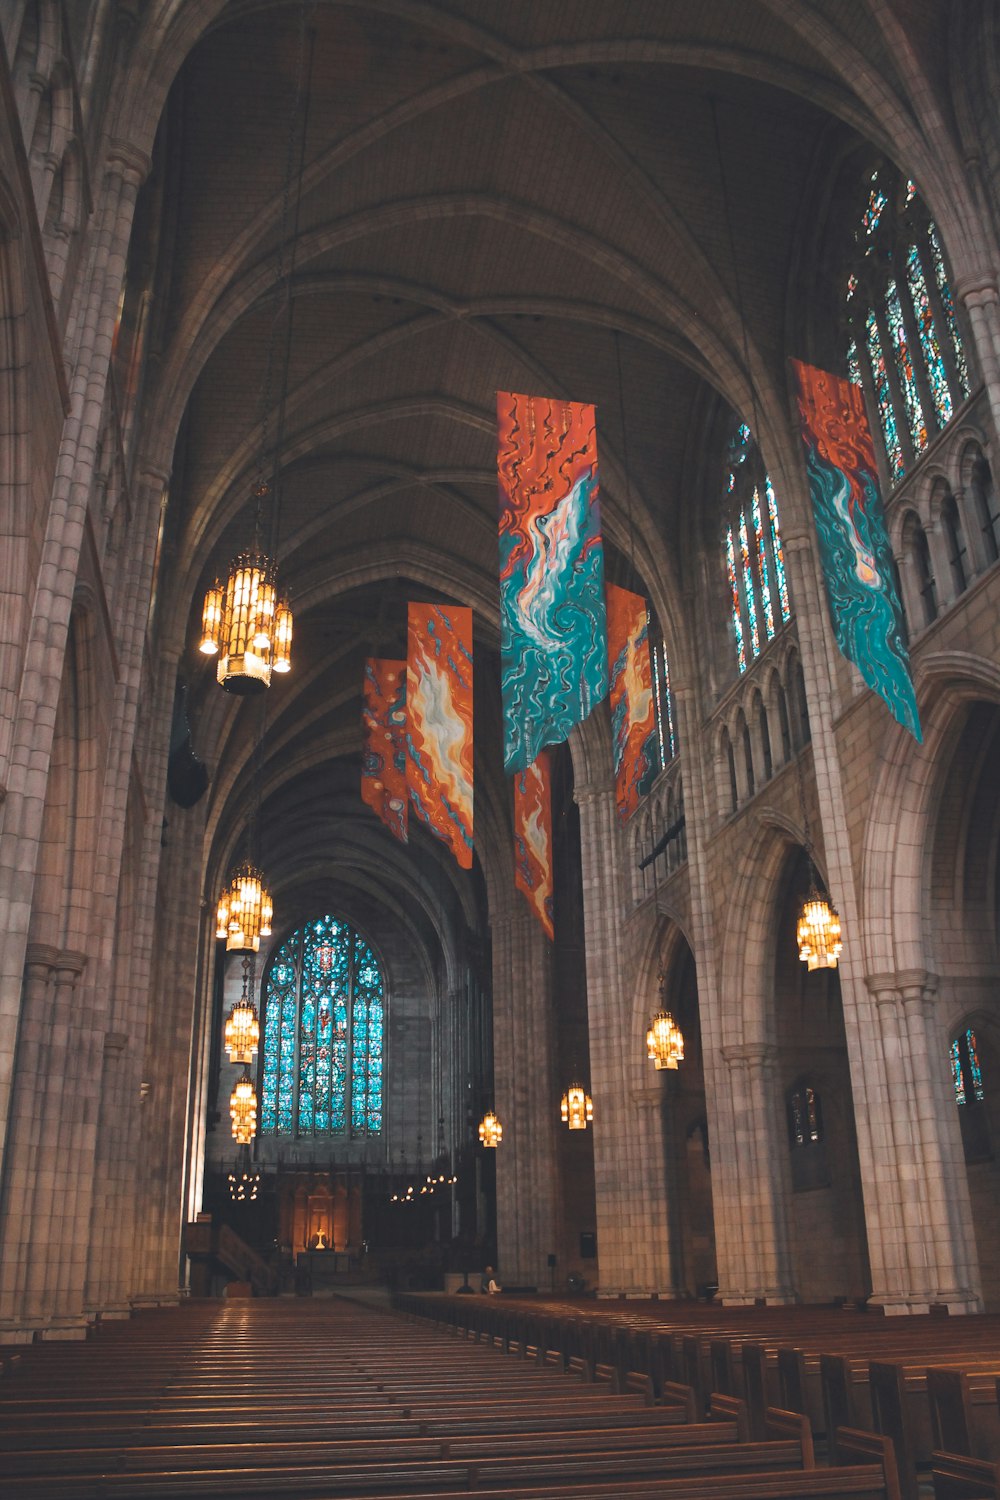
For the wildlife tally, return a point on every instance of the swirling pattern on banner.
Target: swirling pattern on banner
(383, 759)
(633, 710)
(533, 838)
(853, 543)
(553, 630)
(439, 728)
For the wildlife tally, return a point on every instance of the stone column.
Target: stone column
(527, 1173)
(979, 296)
(758, 1265)
(633, 1246)
(51, 1148)
(924, 1190)
(31, 742)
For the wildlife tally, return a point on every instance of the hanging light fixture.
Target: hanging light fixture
(245, 623)
(243, 1110)
(244, 1181)
(246, 620)
(242, 1034)
(490, 1131)
(664, 1039)
(245, 910)
(576, 1107)
(818, 931)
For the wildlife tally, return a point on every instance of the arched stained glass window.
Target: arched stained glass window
(965, 1070)
(904, 345)
(324, 1019)
(805, 1118)
(755, 561)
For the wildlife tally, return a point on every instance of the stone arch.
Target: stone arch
(902, 807)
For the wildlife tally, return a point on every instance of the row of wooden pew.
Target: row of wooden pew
(290, 1398)
(929, 1384)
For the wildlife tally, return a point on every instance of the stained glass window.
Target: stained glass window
(762, 571)
(805, 1120)
(929, 346)
(966, 1072)
(905, 271)
(941, 277)
(747, 571)
(324, 1013)
(903, 356)
(777, 550)
(734, 597)
(887, 417)
(876, 203)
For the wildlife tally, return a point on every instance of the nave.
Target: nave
(525, 1398)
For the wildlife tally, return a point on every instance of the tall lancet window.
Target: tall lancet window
(754, 559)
(324, 1020)
(904, 345)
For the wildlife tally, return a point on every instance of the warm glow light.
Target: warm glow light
(245, 910)
(576, 1107)
(247, 626)
(243, 1110)
(211, 620)
(664, 1041)
(818, 933)
(490, 1131)
(242, 1032)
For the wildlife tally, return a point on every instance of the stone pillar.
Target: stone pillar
(979, 296)
(96, 308)
(43, 1218)
(633, 1245)
(527, 1172)
(758, 1265)
(923, 1192)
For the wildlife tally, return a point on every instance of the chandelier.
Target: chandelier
(245, 910)
(247, 625)
(242, 1035)
(664, 1041)
(818, 932)
(490, 1131)
(244, 1185)
(243, 1110)
(576, 1107)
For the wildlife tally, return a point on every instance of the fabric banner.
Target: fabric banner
(553, 629)
(853, 543)
(633, 710)
(383, 759)
(439, 722)
(533, 838)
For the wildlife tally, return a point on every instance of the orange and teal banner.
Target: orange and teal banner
(853, 542)
(553, 628)
(439, 722)
(633, 709)
(383, 760)
(533, 838)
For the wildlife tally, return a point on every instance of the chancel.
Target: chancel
(604, 883)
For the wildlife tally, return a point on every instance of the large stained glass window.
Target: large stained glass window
(904, 345)
(324, 1019)
(755, 561)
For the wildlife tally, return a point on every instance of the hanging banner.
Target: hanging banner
(853, 543)
(633, 709)
(533, 838)
(439, 723)
(553, 629)
(383, 759)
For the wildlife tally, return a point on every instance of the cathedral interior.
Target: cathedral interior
(264, 267)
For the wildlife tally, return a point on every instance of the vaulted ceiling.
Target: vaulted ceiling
(530, 196)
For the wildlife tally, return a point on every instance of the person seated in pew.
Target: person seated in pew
(490, 1286)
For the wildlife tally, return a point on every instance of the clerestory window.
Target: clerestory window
(755, 562)
(904, 346)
